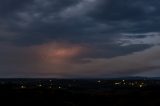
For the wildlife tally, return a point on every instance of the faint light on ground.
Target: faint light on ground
(140, 86)
(23, 87)
(117, 83)
(40, 85)
(99, 81)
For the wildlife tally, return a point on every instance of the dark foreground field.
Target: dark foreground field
(80, 92)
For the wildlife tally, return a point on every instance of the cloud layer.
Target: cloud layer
(78, 38)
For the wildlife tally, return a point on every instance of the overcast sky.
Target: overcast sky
(79, 38)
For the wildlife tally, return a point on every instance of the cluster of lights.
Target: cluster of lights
(123, 83)
(120, 83)
(133, 84)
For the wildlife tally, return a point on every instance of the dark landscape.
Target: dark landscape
(81, 92)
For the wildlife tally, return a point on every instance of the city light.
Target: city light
(40, 85)
(99, 81)
(117, 83)
(22, 87)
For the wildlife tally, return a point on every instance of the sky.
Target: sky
(79, 38)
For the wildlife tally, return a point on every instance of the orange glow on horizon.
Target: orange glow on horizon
(60, 52)
(65, 52)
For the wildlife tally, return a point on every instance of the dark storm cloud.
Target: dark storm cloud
(40, 21)
(137, 15)
(8, 7)
(49, 16)
(109, 28)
